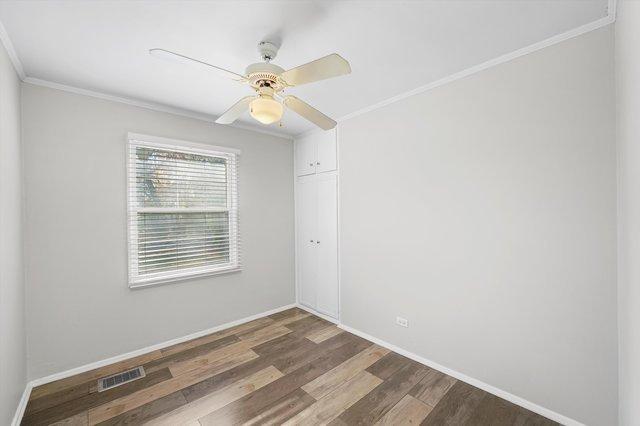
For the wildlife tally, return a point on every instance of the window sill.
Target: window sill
(150, 282)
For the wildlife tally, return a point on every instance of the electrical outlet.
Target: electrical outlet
(402, 322)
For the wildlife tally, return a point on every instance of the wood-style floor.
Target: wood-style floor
(289, 368)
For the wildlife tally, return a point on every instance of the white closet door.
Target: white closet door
(327, 245)
(326, 159)
(307, 213)
(306, 155)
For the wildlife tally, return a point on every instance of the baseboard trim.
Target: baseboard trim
(463, 377)
(319, 314)
(97, 364)
(453, 373)
(22, 405)
(142, 351)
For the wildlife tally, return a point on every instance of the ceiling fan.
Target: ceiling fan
(269, 80)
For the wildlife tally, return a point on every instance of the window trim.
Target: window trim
(192, 148)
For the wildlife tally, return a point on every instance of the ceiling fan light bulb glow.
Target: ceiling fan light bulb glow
(266, 110)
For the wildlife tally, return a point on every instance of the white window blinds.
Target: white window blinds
(182, 210)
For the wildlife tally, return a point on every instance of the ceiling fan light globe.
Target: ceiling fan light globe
(266, 110)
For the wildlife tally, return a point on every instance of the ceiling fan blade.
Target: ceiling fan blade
(310, 113)
(233, 113)
(329, 66)
(176, 57)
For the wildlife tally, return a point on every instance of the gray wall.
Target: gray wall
(12, 325)
(628, 131)
(484, 212)
(79, 307)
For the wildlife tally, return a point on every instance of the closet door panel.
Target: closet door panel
(327, 151)
(306, 155)
(307, 213)
(327, 245)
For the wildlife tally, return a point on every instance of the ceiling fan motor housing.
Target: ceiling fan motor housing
(263, 74)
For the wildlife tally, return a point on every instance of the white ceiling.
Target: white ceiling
(393, 46)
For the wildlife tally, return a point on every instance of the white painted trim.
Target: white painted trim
(320, 314)
(460, 376)
(6, 41)
(599, 23)
(485, 65)
(148, 105)
(17, 418)
(470, 380)
(609, 19)
(11, 51)
(22, 405)
(128, 101)
(336, 173)
(197, 147)
(141, 284)
(161, 278)
(296, 230)
(19, 69)
(338, 223)
(578, 31)
(142, 351)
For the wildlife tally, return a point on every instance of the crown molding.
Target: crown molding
(602, 22)
(583, 29)
(147, 105)
(11, 51)
(17, 65)
(108, 97)
(599, 23)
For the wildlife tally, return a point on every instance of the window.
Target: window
(182, 210)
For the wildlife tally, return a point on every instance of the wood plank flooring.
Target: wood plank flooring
(290, 368)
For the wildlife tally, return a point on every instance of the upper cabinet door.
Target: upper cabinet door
(306, 153)
(316, 153)
(327, 153)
